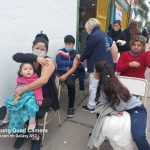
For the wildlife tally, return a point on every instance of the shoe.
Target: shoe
(70, 113)
(36, 144)
(18, 143)
(85, 108)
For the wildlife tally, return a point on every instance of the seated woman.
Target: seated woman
(135, 62)
(45, 70)
(113, 98)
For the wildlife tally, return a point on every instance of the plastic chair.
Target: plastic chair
(49, 115)
(136, 86)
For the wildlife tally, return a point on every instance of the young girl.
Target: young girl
(111, 90)
(24, 107)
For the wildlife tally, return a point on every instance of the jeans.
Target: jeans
(70, 82)
(92, 91)
(138, 126)
(80, 74)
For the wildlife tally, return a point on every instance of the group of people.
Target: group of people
(104, 87)
(36, 91)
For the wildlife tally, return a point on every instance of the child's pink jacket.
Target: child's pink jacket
(27, 80)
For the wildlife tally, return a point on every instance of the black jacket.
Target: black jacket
(118, 35)
(98, 48)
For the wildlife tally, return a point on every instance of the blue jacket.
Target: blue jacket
(64, 59)
(98, 48)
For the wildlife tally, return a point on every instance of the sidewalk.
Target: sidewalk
(73, 134)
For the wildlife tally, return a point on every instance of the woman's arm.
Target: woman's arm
(114, 52)
(122, 64)
(24, 57)
(29, 58)
(46, 72)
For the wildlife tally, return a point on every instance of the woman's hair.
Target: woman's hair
(91, 24)
(41, 38)
(138, 38)
(134, 28)
(118, 22)
(21, 66)
(110, 85)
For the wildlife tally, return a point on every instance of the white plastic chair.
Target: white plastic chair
(49, 115)
(136, 86)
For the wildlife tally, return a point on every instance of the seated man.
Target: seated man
(64, 60)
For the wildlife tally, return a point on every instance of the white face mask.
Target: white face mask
(39, 52)
(116, 29)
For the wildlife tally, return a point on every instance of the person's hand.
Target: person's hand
(39, 103)
(42, 61)
(134, 64)
(62, 78)
(19, 91)
(78, 56)
(119, 113)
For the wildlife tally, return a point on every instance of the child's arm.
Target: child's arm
(71, 70)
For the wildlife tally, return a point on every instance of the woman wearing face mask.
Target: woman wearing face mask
(118, 36)
(45, 70)
(134, 63)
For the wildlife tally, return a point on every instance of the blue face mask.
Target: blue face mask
(68, 48)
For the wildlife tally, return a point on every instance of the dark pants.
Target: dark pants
(138, 127)
(80, 74)
(70, 82)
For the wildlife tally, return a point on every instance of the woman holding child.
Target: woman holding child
(45, 70)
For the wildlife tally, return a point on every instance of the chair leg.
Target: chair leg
(59, 118)
(44, 126)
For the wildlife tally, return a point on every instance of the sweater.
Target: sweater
(27, 80)
(138, 72)
(64, 59)
(98, 49)
(118, 35)
(122, 106)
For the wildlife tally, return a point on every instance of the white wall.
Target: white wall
(20, 21)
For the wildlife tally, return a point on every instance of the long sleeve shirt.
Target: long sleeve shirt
(138, 72)
(122, 106)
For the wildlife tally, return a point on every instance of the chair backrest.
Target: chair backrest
(58, 85)
(136, 86)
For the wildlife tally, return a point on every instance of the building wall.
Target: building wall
(20, 21)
